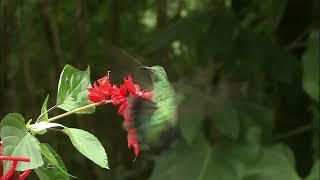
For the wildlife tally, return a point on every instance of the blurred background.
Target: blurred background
(248, 71)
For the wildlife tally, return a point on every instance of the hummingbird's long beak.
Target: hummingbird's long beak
(146, 67)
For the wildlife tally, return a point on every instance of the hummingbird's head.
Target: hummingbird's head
(157, 73)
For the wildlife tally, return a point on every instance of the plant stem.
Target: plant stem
(52, 108)
(294, 132)
(77, 110)
(296, 43)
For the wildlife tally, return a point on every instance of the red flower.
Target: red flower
(147, 95)
(133, 141)
(103, 90)
(119, 95)
(134, 89)
(123, 108)
(95, 94)
(105, 80)
(132, 132)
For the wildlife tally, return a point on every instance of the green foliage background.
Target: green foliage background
(249, 72)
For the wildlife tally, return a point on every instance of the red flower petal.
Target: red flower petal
(133, 141)
(123, 90)
(147, 95)
(134, 89)
(105, 86)
(135, 147)
(94, 99)
(123, 108)
(101, 91)
(104, 81)
(95, 95)
(132, 132)
(119, 95)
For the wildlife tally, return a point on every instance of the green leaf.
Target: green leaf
(44, 110)
(88, 145)
(53, 159)
(256, 114)
(226, 160)
(316, 132)
(276, 163)
(14, 120)
(40, 126)
(72, 89)
(223, 161)
(314, 173)
(19, 143)
(225, 117)
(278, 9)
(191, 113)
(50, 173)
(53, 167)
(311, 66)
(183, 164)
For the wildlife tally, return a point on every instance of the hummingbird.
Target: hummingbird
(156, 119)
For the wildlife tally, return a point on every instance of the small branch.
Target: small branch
(52, 33)
(47, 111)
(297, 42)
(298, 45)
(78, 109)
(294, 132)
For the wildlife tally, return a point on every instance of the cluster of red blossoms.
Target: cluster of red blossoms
(104, 91)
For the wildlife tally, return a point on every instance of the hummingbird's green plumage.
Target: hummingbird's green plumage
(164, 96)
(157, 122)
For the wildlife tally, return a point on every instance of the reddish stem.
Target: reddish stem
(11, 170)
(25, 174)
(8, 158)
(13, 167)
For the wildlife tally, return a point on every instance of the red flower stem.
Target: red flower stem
(78, 109)
(11, 170)
(25, 174)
